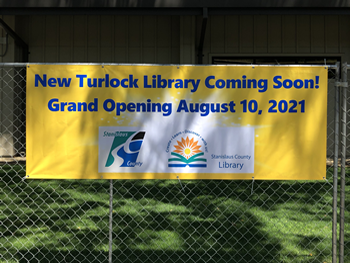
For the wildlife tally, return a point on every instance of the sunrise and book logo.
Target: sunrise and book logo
(187, 153)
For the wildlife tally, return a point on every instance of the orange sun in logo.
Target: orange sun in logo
(187, 148)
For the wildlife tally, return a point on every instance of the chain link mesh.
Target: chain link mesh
(156, 220)
(347, 179)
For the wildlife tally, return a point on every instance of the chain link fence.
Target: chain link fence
(345, 184)
(158, 220)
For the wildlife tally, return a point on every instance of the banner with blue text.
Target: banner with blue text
(168, 122)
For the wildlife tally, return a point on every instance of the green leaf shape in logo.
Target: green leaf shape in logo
(190, 160)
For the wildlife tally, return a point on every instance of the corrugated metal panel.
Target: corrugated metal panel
(260, 36)
(277, 34)
(344, 25)
(107, 38)
(332, 40)
(317, 34)
(303, 34)
(51, 38)
(289, 34)
(149, 35)
(274, 36)
(217, 29)
(163, 43)
(232, 34)
(187, 40)
(246, 34)
(119, 39)
(161, 39)
(175, 40)
(37, 37)
(135, 39)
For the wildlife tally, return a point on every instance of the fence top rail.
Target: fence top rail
(4, 64)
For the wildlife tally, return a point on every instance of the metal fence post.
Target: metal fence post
(335, 166)
(342, 190)
(110, 221)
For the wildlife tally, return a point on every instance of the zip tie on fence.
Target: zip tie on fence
(341, 84)
(324, 178)
(180, 183)
(252, 186)
(23, 179)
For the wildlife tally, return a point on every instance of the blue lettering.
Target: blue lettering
(182, 106)
(207, 84)
(42, 81)
(123, 83)
(179, 84)
(53, 104)
(52, 82)
(72, 107)
(93, 106)
(81, 80)
(162, 83)
(120, 107)
(204, 108)
(115, 83)
(64, 82)
(167, 109)
(287, 84)
(92, 83)
(108, 108)
(107, 80)
(131, 107)
(145, 81)
(224, 107)
(278, 83)
(311, 82)
(133, 82)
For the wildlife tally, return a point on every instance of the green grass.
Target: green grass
(159, 221)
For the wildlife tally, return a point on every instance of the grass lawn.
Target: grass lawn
(160, 221)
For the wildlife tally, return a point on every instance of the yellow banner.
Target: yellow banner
(168, 122)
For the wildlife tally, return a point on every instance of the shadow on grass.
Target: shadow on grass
(154, 220)
(135, 256)
(140, 240)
